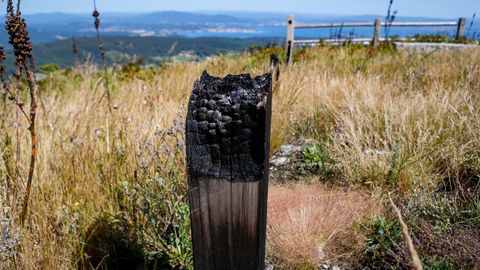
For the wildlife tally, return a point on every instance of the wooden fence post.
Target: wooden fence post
(377, 33)
(228, 144)
(275, 66)
(461, 29)
(290, 39)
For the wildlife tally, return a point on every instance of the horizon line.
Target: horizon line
(224, 12)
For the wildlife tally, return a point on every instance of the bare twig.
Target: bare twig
(33, 142)
(471, 25)
(391, 15)
(416, 263)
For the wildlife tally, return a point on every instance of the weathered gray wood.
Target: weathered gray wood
(369, 24)
(290, 39)
(227, 139)
(420, 24)
(333, 40)
(461, 28)
(334, 25)
(377, 32)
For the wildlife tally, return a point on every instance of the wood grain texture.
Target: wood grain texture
(227, 135)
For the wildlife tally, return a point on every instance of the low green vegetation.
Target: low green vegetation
(383, 243)
(154, 50)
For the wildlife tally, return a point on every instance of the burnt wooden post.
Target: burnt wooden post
(228, 143)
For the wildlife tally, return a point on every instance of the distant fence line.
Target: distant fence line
(375, 40)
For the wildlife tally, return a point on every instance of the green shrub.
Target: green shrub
(440, 264)
(383, 243)
(48, 68)
(317, 155)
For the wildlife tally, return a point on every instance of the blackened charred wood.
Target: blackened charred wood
(227, 139)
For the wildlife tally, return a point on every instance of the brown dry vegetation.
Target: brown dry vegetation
(304, 219)
(401, 122)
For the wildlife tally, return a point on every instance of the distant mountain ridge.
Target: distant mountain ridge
(153, 50)
(49, 27)
(191, 35)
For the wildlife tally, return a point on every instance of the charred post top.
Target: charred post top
(226, 127)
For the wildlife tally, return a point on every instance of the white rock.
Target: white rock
(280, 161)
(288, 149)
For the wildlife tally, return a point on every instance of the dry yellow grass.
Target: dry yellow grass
(303, 219)
(424, 107)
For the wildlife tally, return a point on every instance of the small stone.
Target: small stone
(280, 161)
(289, 149)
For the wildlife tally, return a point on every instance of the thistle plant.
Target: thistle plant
(101, 47)
(96, 15)
(22, 49)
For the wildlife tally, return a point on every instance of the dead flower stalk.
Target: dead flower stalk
(22, 49)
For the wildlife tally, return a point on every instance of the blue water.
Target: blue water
(347, 32)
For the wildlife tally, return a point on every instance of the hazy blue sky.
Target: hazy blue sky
(424, 8)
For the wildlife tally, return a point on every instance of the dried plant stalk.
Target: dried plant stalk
(101, 47)
(75, 51)
(416, 262)
(22, 48)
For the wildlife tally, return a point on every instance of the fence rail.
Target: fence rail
(375, 40)
(367, 24)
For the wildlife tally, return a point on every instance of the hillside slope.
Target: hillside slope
(154, 50)
(110, 186)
